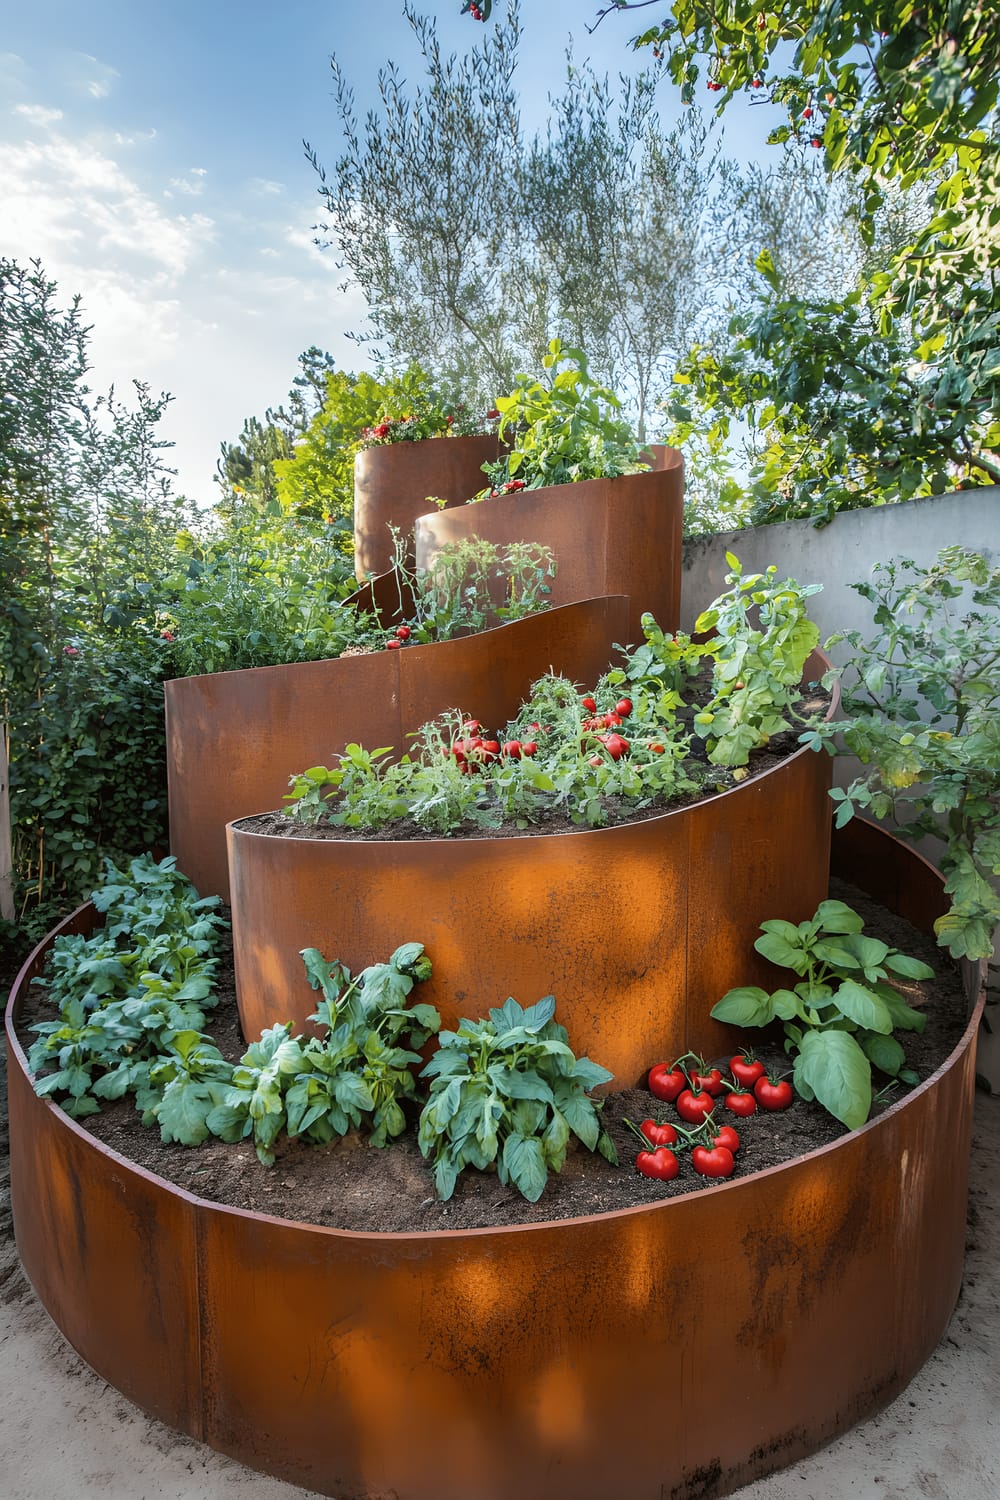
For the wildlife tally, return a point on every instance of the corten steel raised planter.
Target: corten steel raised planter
(392, 485)
(235, 738)
(762, 1317)
(609, 536)
(636, 929)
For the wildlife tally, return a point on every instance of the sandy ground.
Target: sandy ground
(67, 1435)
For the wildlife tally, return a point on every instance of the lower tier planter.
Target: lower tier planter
(636, 929)
(677, 1350)
(234, 738)
(609, 536)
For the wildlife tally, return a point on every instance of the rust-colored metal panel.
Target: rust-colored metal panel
(609, 536)
(109, 1251)
(235, 738)
(494, 1362)
(392, 486)
(635, 929)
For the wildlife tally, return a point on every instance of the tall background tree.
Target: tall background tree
(474, 247)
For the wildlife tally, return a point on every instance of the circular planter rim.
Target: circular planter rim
(425, 1235)
(283, 666)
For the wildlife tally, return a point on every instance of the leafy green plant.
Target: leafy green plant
(320, 1088)
(469, 585)
(508, 1091)
(125, 994)
(921, 699)
(562, 430)
(840, 1017)
(764, 637)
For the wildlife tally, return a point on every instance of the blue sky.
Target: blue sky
(151, 158)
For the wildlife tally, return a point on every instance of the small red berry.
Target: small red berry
(807, 113)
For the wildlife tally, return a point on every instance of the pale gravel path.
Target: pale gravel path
(67, 1435)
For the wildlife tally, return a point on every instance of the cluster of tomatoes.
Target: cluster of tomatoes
(472, 750)
(694, 1090)
(400, 634)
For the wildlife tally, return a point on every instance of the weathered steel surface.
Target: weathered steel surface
(235, 738)
(111, 1253)
(637, 929)
(761, 1318)
(609, 536)
(392, 486)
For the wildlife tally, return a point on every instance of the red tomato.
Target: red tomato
(661, 1164)
(741, 1104)
(773, 1095)
(728, 1137)
(393, 645)
(612, 721)
(623, 707)
(715, 1163)
(692, 1107)
(528, 747)
(403, 632)
(513, 748)
(614, 745)
(656, 748)
(595, 760)
(746, 1069)
(711, 1082)
(666, 1082)
(471, 726)
(589, 705)
(659, 1135)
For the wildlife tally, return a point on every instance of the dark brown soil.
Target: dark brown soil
(351, 1186)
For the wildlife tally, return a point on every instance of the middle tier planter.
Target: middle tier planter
(609, 536)
(636, 929)
(235, 738)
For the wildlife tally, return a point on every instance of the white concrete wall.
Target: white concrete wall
(843, 552)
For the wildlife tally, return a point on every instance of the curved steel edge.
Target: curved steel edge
(510, 1360)
(392, 485)
(235, 738)
(636, 929)
(609, 536)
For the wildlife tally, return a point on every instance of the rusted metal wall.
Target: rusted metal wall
(681, 1349)
(609, 536)
(235, 738)
(637, 929)
(392, 485)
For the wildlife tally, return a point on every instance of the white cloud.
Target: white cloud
(265, 186)
(193, 184)
(96, 79)
(212, 306)
(37, 114)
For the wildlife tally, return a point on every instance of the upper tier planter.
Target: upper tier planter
(636, 929)
(609, 536)
(392, 483)
(764, 1316)
(235, 738)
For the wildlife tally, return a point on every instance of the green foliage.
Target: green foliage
(247, 471)
(898, 98)
(126, 995)
(317, 477)
(557, 757)
(471, 584)
(840, 1017)
(322, 1087)
(508, 1091)
(757, 666)
(561, 429)
(921, 699)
